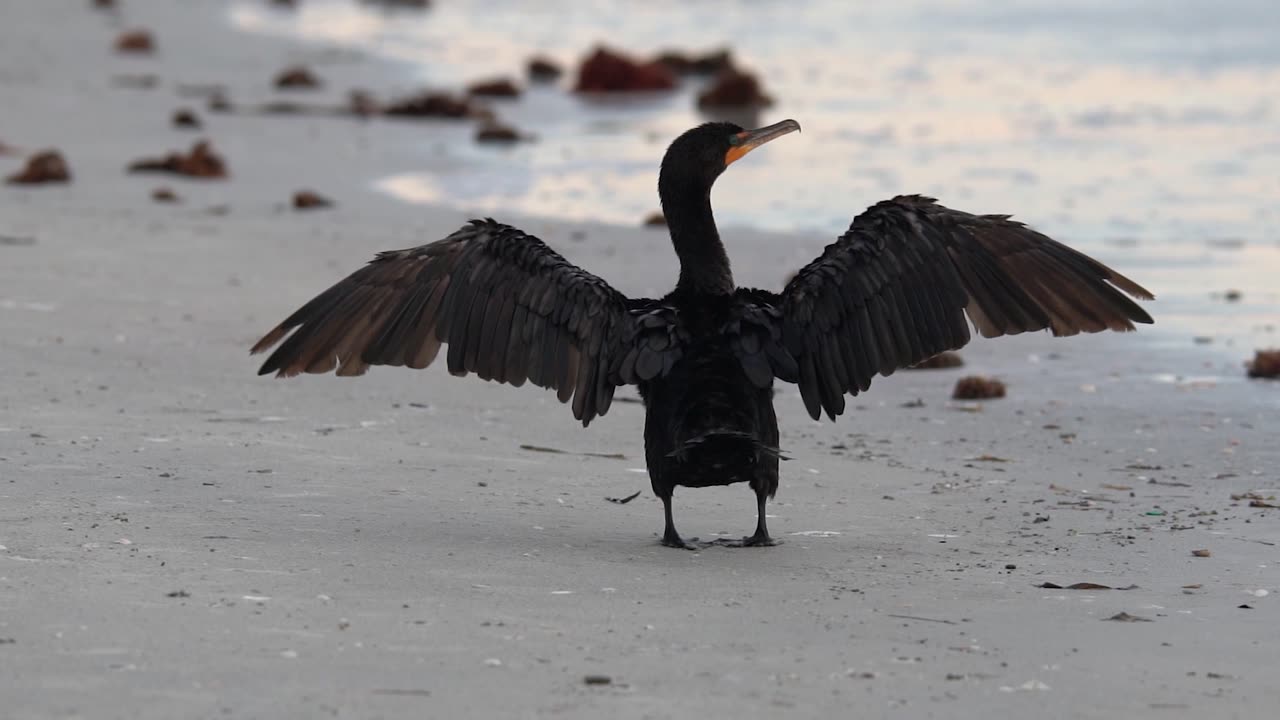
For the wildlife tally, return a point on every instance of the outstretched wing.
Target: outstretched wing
(895, 288)
(509, 307)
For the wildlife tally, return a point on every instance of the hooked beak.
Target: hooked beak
(746, 141)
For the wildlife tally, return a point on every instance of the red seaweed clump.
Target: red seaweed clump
(297, 78)
(430, 104)
(46, 166)
(607, 70)
(493, 131)
(136, 42)
(692, 64)
(1265, 365)
(495, 87)
(734, 88)
(976, 387)
(201, 162)
(310, 200)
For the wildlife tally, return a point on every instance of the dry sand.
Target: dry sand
(181, 538)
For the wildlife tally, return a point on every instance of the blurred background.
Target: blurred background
(1149, 125)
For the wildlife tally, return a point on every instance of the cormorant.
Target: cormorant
(893, 290)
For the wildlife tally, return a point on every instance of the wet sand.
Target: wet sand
(182, 538)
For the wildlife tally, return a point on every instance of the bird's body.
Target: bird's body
(706, 422)
(894, 290)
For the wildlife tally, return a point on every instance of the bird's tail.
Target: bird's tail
(721, 454)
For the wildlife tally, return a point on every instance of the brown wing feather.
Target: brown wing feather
(895, 289)
(507, 306)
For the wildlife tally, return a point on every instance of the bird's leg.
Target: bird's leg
(762, 531)
(670, 537)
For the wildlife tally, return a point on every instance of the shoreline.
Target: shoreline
(182, 538)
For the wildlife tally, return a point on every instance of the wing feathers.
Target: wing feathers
(895, 290)
(509, 308)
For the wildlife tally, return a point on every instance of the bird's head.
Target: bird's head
(696, 158)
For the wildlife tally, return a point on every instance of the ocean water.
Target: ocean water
(1145, 131)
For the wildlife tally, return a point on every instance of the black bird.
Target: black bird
(892, 291)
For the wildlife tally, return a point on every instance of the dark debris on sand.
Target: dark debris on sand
(47, 166)
(976, 387)
(200, 162)
(493, 131)
(165, 195)
(186, 118)
(607, 70)
(543, 69)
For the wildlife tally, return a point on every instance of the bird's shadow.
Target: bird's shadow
(696, 544)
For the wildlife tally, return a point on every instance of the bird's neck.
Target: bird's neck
(704, 265)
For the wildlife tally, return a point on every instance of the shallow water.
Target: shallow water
(1147, 130)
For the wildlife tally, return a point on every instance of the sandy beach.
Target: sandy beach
(182, 538)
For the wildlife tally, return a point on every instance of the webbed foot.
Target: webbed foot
(760, 539)
(673, 540)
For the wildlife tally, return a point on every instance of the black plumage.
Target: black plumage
(900, 285)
